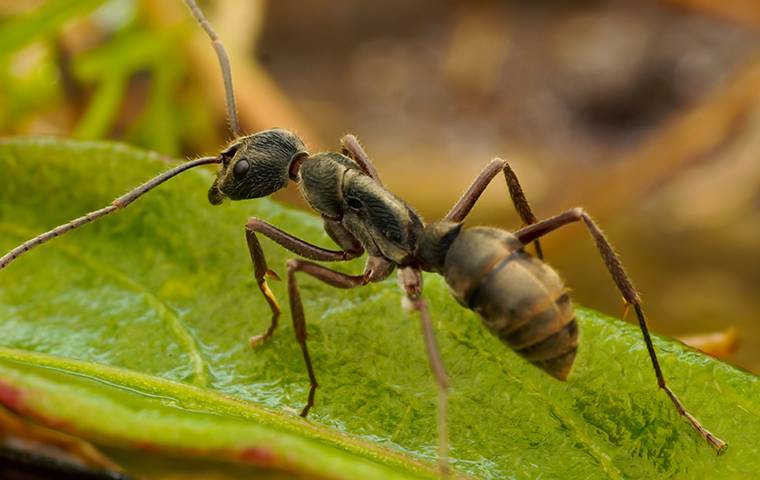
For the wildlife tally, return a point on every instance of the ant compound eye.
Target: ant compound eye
(240, 168)
(354, 204)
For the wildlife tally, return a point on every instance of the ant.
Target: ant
(520, 298)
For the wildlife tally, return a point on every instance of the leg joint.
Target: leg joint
(503, 164)
(253, 224)
(293, 264)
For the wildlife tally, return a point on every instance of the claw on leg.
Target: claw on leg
(716, 443)
(312, 381)
(259, 339)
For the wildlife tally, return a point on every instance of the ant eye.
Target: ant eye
(240, 168)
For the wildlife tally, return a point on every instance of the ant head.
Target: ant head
(255, 166)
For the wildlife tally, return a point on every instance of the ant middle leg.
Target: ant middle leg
(353, 149)
(330, 277)
(261, 271)
(631, 296)
(462, 208)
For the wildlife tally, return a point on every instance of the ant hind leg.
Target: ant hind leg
(631, 296)
(462, 208)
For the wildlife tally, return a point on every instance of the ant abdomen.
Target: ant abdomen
(520, 298)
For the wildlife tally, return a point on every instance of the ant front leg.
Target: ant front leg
(411, 283)
(462, 208)
(261, 271)
(631, 296)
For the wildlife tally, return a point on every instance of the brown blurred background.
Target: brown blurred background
(646, 113)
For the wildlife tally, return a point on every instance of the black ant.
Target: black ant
(519, 297)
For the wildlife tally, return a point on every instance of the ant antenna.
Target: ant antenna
(133, 195)
(224, 64)
(117, 204)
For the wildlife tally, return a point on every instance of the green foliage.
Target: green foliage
(141, 320)
(130, 81)
(33, 89)
(41, 23)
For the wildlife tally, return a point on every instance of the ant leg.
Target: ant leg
(353, 148)
(631, 296)
(330, 277)
(261, 271)
(465, 203)
(411, 282)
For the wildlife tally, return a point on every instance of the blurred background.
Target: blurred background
(645, 113)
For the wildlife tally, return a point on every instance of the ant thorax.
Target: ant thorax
(383, 224)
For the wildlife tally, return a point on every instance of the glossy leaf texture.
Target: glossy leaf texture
(133, 332)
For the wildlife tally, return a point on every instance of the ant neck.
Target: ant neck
(294, 166)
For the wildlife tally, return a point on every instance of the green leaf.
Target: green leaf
(133, 332)
(40, 22)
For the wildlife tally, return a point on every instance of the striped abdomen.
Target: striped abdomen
(520, 298)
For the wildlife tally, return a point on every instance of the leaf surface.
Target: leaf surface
(133, 331)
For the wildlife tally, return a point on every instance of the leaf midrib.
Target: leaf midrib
(190, 397)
